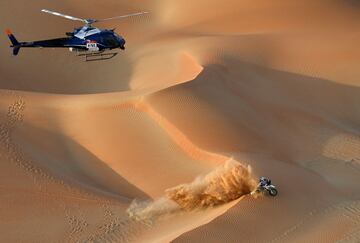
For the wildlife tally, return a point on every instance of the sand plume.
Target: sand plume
(222, 185)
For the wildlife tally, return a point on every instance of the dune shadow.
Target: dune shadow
(63, 73)
(75, 165)
(264, 107)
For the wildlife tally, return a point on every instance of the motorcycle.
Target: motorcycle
(270, 189)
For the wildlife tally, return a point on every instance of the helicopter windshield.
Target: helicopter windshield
(110, 40)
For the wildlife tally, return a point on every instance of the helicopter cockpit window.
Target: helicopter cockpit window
(109, 40)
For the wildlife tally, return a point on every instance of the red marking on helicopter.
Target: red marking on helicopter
(8, 32)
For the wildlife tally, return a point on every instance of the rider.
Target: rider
(264, 181)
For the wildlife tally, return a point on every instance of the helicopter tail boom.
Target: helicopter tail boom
(15, 44)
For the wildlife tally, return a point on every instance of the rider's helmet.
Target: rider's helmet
(262, 179)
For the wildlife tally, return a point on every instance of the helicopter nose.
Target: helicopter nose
(122, 43)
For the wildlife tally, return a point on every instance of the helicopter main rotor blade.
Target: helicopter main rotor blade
(121, 17)
(63, 15)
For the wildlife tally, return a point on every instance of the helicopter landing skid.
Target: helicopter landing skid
(99, 56)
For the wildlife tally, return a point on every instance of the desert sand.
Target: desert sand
(165, 142)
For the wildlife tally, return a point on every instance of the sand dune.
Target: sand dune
(165, 142)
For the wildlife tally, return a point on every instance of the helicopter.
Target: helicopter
(87, 41)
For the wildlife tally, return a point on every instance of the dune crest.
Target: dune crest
(175, 134)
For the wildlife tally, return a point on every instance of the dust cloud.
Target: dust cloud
(222, 185)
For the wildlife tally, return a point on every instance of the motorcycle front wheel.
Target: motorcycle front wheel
(273, 192)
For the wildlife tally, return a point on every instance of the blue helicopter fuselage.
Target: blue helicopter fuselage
(86, 38)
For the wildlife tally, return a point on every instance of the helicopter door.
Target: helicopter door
(92, 46)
